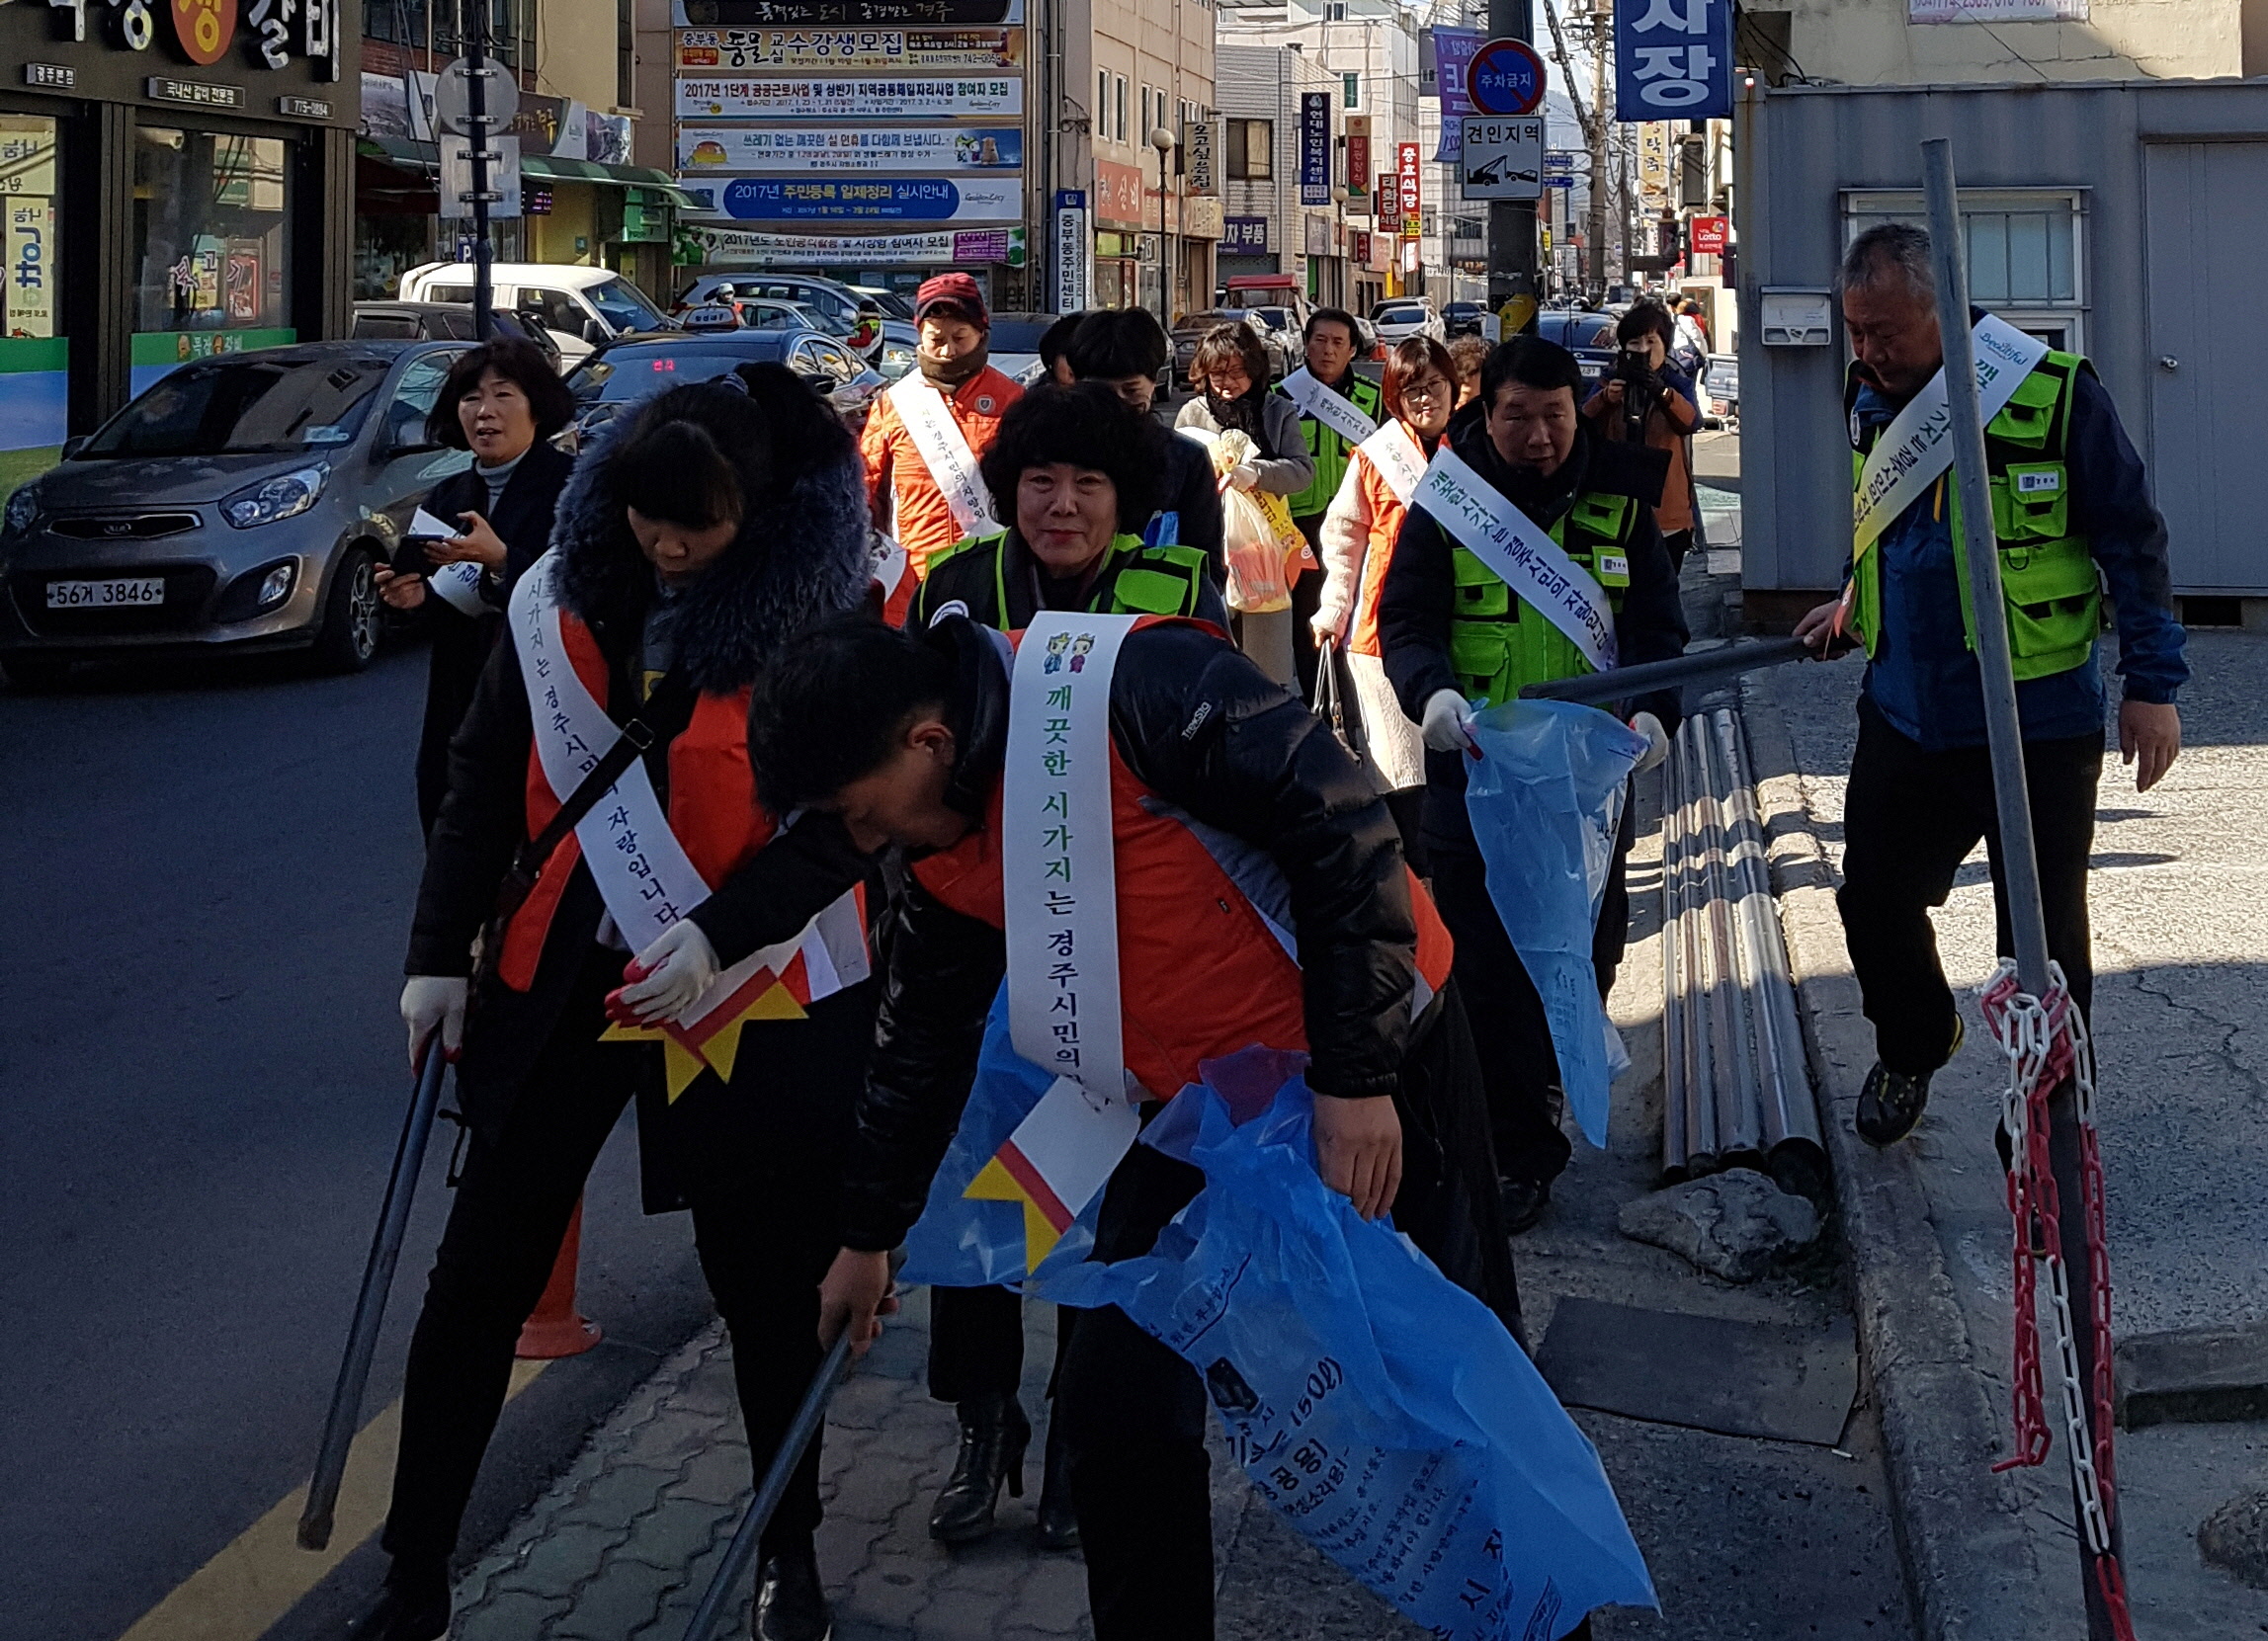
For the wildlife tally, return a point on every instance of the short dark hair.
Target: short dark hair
(832, 701)
(1237, 341)
(1331, 316)
(696, 455)
(1406, 362)
(1117, 343)
(1086, 426)
(1897, 250)
(519, 362)
(1469, 354)
(1646, 319)
(1531, 362)
(1056, 340)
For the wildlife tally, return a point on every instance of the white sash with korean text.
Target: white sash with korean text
(457, 583)
(1061, 908)
(1328, 406)
(643, 872)
(1395, 456)
(1914, 448)
(1521, 554)
(945, 453)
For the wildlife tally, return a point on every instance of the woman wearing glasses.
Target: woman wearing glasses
(1358, 537)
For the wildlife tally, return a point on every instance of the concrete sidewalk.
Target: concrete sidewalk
(2181, 953)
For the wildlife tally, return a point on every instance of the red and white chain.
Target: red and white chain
(2045, 1041)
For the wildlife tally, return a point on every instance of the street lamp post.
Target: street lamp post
(1163, 141)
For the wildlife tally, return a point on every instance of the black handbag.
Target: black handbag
(1330, 703)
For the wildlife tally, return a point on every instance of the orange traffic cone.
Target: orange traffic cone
(555, 1329)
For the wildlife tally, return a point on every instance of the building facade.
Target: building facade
(2003, 41)
(177, 182)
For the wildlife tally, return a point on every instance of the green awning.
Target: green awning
(425, 156)
(399, 150)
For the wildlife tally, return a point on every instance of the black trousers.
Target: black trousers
(1133, 1412)
(1306, 598)
(765, 1225)
(976, 1342)
(1519, 1066)
(1909, 818)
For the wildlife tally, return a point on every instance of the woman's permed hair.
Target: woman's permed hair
(1232, 343)
(519, 362)
(1086, 426)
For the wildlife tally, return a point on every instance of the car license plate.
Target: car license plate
(106, 595)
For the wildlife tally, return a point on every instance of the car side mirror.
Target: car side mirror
(72, 446)
(595, 332)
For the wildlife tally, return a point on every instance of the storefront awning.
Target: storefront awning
(422, 156)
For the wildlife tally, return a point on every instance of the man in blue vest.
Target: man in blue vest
(2072, 516)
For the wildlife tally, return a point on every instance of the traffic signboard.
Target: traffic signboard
(1561, 162)
(1506, 77)
(1503, 158)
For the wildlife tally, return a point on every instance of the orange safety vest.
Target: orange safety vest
(925, 524)
(1385, 512)
(1203, 970)
(713, 805)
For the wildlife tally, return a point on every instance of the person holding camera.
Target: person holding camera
(503, 402)
(1649, 401)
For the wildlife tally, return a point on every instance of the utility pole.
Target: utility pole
(1511, 223)
(477, 104)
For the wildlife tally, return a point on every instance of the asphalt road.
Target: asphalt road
(205, 901)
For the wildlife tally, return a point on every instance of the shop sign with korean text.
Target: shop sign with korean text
(851, 50)
(1314, 147)
(1244, 236)
(1075, 249)
(1201, 151)
(1673, 59)
(882, 200)
(1996, 11)
(829, 151)
(849, 98)
(749, 248)
(1408, 190)
(1453, 50)
(831, 13)
(1358, 148)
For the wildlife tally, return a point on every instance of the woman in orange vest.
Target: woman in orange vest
(1238, 825)
(721, 519)
(1359, 531)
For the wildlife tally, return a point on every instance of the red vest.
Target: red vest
(1201, 971)
(713, 805)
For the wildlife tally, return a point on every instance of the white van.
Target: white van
(580, 306)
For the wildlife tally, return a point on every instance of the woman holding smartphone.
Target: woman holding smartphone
(503, 402)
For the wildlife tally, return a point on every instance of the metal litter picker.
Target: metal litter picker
(2055, 1174)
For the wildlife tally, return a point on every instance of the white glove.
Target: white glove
(1656, 742)
(1444, 725)
(1326, 624)
(434, 1000)
(680, 965)
(1244, 476)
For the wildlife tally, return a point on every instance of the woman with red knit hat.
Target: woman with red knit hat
(926, 435)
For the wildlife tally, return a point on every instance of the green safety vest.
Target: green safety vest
(1498, 644)
(2049, 584)
(1134, 580)
(1330, 451)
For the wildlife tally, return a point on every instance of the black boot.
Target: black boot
(993, 1436)
(1058, 1525)
(413, 1605)
(791, 1605)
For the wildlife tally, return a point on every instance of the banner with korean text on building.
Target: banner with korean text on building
(1314, 147)
(836, 13)
(851, 50)
(1453, 50)
(849, 98)
(1673, 59)
(815, 150)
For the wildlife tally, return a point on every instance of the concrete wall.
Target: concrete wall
(1801, 149)
(575, 53)
(1871, 43)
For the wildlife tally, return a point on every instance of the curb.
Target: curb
(1971, 1562)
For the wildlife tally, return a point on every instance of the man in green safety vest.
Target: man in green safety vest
(1077, 476)
(1339, 408)
(1457, 634)
(2071, 515)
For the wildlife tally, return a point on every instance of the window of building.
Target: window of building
(1251, 147)
(211, 231)
(2025, 249)
(1118, 89)
(625, 54)
(1102, 104)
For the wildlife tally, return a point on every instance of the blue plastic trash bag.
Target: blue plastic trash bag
(1546, 796)
(1382, 1410)
(961, 1243)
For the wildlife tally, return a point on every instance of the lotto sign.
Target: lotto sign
(1407, 188)
(1673, 59)
(1709, 234)
(1506, 77)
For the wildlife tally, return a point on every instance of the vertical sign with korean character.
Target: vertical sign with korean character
(1060, 903)
(1409, 197)
(1073, 241)
(1673, 59)
(1314, 147)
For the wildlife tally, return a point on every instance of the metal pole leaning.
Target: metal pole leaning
(2019, 860)
(370, 1307)
(1700, 667)
(774, 1487)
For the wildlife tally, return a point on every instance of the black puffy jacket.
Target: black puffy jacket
(1205, 731)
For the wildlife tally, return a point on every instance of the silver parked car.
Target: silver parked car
(242, 501)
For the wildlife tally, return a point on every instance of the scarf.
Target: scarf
(1238, 415)
(947, 375)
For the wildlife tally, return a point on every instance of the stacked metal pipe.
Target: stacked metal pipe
(1736, 1088)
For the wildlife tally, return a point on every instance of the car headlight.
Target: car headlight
(280, 497)
(22, 510)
